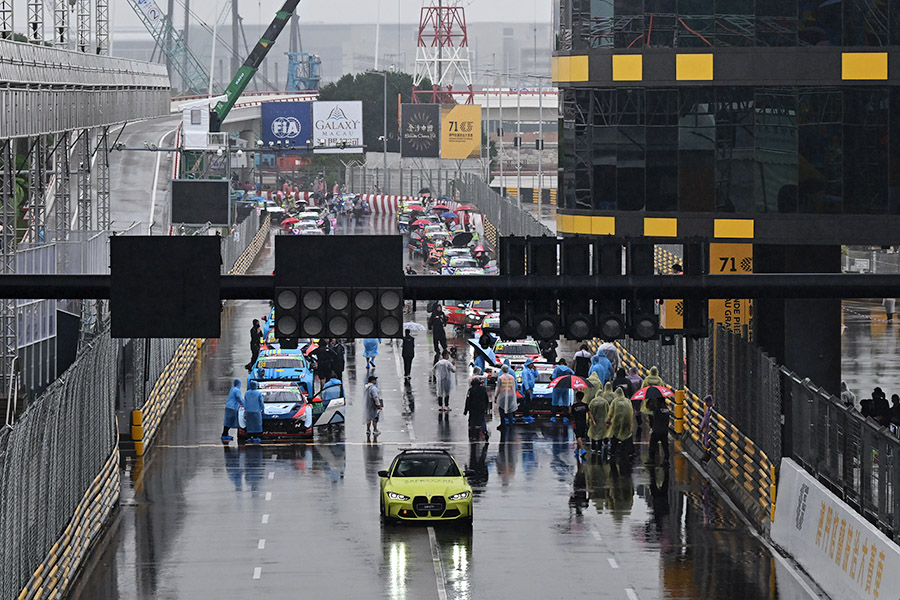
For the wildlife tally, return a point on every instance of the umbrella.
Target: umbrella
(449, 215)
(478, 249)
(440, 207)
(461, 239)
(488, 354)
(466, 207)
(569, 382)
(424, 191)
(290, 221)
(417, 207)
(653, 391)
(412, 326)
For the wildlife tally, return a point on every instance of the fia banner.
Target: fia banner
(420, 133)
(338, 127)
(287, 122)
(460, 131)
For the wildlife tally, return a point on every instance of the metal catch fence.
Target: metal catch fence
(502, 213)
(59, 475)
(855, 457)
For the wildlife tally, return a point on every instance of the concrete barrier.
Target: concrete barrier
(845, 554)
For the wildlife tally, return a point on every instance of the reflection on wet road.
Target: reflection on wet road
(202, 520)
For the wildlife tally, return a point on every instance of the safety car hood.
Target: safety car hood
(427, 486)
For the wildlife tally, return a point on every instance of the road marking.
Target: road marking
(612, 563)
(597, 536)
(257, 572)
(632, 595)
(272, 475)
(156, 178)
(262, 544)
(438, 566)
(274, 457)
(265, 519)
(410, 430)
(268, 496)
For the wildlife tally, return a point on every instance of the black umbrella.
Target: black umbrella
(461, 239)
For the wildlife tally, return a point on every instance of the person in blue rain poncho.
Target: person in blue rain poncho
(601, 366)
(253, 413)
(370, 351)
(330, 391)
(529, 378)
(231, 410)
(562, 397)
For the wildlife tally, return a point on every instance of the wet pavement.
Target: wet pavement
(202, 520)
(869, 349)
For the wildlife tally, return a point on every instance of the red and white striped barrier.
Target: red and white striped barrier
(386, 205)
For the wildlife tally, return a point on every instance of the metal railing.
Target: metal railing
(855, 457)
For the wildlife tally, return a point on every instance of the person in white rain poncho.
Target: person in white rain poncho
(505, 395)
(443, 374)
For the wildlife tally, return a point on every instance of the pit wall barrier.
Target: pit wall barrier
(732, 458)
(846, 555)
(54, 576)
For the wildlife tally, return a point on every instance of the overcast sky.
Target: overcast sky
(349, 11)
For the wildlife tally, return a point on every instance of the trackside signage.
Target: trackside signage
(845, 554)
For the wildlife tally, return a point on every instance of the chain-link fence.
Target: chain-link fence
(503, 214)
(362, 179)
(59, 460)
(855, 457)
(51, 457)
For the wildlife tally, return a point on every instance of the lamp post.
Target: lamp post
(384, 127)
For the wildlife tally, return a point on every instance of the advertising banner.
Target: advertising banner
(460, 131)
(287, 122)
(420, 126)
(338, 127)
(845, 554)
(731, 259)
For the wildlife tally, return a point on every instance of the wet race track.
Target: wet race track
(200, 519)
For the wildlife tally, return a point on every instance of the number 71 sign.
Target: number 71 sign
(731, 259)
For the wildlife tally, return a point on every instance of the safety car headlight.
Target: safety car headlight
(396, 496)
(459, 496)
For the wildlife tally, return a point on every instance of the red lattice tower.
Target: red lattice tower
(442, 54)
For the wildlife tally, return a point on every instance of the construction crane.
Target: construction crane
(251, 65)
(171, 42)
(303, 67)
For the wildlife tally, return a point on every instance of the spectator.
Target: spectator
(476, 409)
(582, 361)
(848, 398)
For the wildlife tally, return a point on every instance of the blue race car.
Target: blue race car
(286, 412)
(283, 365)
(542, 395)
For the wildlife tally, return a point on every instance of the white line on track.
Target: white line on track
(257, 572)
(597, 536)
(268, 496)
(612, 563)
(632, 595)
(156, 176)
(438, 566)
(272, 475)
(265, 519)
(262, 544)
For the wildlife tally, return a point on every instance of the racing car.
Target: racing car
(283, 365)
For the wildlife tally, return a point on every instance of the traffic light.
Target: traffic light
(513, 313)
(643, 322)
(696, 311)
(608, 311)
(543, 314)
(576, 258)
(347, 296)
(287, 312)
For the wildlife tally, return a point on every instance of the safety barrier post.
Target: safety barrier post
(137, 431)
(679, 411)
(772, 489)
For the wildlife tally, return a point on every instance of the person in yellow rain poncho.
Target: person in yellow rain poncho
(652, 379)
(598, 405)
(620, 421)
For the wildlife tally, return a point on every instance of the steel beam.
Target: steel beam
(85, 190)
(424, 287)
(101, 17)
(8, 318)
(63, 189)
(84, 26)
(61, 23)
(36, 20)
(37, 189)
(103, 220)
(6, 19)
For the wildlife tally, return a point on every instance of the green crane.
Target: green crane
(242, 78)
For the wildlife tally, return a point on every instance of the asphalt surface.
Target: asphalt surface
(202, 520)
